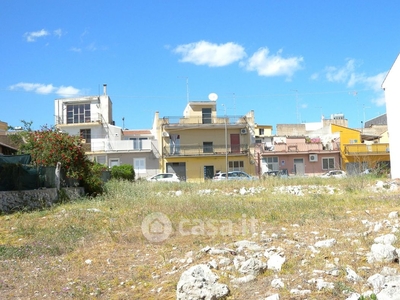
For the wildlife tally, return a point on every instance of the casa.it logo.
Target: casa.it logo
(156, 227)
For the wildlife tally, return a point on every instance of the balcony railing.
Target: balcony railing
(197, 150)
(115, 146)
(300, 147)
(364, 149)
(98, 118)
(230, 120)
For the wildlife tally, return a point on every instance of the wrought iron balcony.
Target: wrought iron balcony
(205, 150)
(213, 120)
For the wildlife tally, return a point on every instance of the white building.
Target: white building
(91, 118)
(391, 86)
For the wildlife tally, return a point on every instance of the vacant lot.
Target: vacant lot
(136, 240)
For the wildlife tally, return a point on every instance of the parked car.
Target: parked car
(233, 175)
(278, 173)
(367, 171)
(334, 174)
(164, 177)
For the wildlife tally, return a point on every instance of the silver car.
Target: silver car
(164, 177)
(233, 175)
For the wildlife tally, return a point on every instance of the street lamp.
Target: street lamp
(226, 144)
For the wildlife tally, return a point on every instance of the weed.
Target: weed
(94, 247)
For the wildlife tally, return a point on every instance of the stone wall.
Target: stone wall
(12, 201)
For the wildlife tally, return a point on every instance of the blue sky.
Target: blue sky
(289, 61)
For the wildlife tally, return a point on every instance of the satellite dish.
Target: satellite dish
(213, 97)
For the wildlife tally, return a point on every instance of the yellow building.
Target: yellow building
(358, 154)
(199, 144)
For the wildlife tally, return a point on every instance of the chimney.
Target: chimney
(105, 89)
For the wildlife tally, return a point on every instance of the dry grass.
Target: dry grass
(94, 248)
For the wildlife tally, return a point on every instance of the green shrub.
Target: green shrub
(93, 181)
(125, 172)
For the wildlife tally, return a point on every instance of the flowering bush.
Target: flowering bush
(49, 146)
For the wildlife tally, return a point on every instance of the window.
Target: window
(272, 163)
(328, 163)
(208, 147)
(78, 113)
(261, 130)
(139, 165)
(237, 165)
(101, 159)
(298, 161)
(137, 143)
(113, 162)
(86, 135)
(206, 115)
(174, 144)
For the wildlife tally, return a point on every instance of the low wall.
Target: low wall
(12, 201)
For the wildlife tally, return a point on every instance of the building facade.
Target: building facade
(91, 118)
(359, 153)
(391, 87)
(201, 143)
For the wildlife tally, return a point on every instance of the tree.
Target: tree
(48, 146)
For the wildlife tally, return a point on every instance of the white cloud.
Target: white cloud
(75, 49)
(341, 74)
(314, 76)
(212, 55)
(374, 82)
(67, 91)
(58, 32)
(304, 105)
(45, 89)
(347, 74)
(273, 65)
(379, 101)
(32, 36)
(91, 47)
(37, 88)
(370, 83)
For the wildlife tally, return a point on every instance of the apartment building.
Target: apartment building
(91, 118)
(203, 141)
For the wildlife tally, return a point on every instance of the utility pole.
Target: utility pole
(226, 144)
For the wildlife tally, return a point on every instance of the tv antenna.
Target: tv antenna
(187, 88)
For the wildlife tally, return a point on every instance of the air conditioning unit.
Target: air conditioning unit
(313, 157)
(243, 131)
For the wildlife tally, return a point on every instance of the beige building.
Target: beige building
(201, 142)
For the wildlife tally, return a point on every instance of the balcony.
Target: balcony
(212, 121)
(200, 150)
(79, 120)
(364, 149)
(106, 145)
(300, 147)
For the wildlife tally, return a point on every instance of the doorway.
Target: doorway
(299, 166)
(235, 143)
(208, 172)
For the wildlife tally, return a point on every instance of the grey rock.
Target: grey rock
(200, 283)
